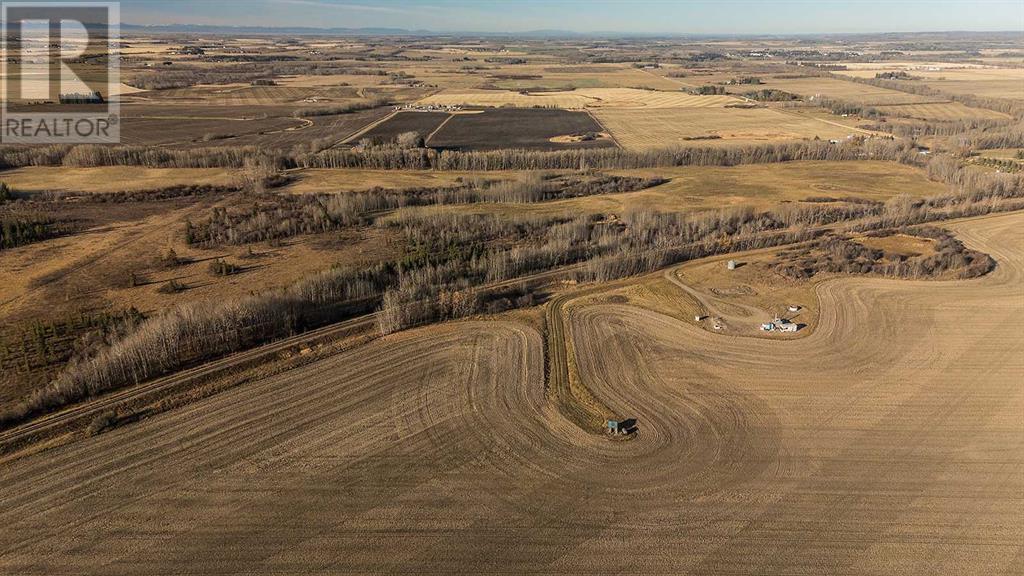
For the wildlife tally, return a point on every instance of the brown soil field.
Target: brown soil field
(269, 127)
(111, 178)
(882, 442)
(638, 129)
(517, 128)
(208, 132)
(423, 123)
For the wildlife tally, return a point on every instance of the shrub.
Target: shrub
(171, 287)
(221, 267)
(101, 423)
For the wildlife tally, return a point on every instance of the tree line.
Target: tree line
(278, 216)
(450, 259)
(392, 157)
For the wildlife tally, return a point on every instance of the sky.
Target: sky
(646, 17)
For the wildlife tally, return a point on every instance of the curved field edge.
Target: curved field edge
(436, 449)
(578, 402)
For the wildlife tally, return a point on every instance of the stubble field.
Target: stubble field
(639, 129)
(880, 443)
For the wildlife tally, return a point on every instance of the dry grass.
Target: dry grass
(112, 178)
(90, 270)
(902, 244)
(762, 186)
(1002, 153)
(327, 181)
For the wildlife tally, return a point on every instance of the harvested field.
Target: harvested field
(853, 92)
(246, 95)
(659, 128)
(974, 80)
(332, 129)
(519, 128)
(576, 99)
(571, 77)
(207, 131)
(943, 111)
(877, 444)
(423, 123)
(270, 127)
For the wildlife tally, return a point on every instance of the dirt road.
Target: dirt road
(889, 441)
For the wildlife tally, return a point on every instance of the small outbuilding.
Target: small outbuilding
(731, 265)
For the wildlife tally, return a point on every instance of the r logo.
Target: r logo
(60, 65)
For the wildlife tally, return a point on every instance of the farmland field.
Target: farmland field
(658, 128)
(746, 452)
(864, 94)
(178, 130)
(271, 127)
(581, 98)
(517, 128)
(981, 81)
(696, 188)
(383, 299)
(423, 123)
(942, 111)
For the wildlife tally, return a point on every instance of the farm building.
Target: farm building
(780, 325)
